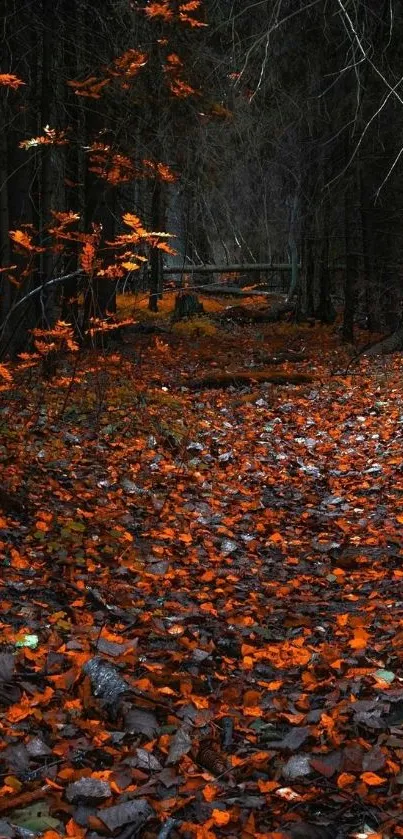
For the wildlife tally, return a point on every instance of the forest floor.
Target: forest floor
(201, 593)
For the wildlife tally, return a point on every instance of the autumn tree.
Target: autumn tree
(77, 138)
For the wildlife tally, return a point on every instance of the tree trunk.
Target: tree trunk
(5, 250)
(52, 157)
(326, 312)
(351, 244)
(157, 224)
(76, 156)
(187, 305)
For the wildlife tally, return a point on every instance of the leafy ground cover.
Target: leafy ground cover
(201, 592)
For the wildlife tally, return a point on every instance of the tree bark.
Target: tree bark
(157, 224)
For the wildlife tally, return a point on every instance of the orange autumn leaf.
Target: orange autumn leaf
(210, 792)
(22, 239)
(74, 830)
(19, 711)
(220, 817)
(17, 561)
(276, 537)
(372, 779)
(345, 780)
(360, 639)
(267, 786)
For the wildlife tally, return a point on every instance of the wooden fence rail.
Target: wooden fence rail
(230, 269)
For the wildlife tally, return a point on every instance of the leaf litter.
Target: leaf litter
(214, 585)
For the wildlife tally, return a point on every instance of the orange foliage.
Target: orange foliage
(51, 137)
(91, 87)
(9, 80)
(23, 239)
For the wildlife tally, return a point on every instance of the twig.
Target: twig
(25, 798)
(166, 829)
(39, 289)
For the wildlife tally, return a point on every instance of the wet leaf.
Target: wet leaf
(135, 813)
(89, 790)
(180, 745)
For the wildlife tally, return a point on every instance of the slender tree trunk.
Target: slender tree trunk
(326, 310)
(156, 255)
(5, 250)
(76, 161)
(52, 157)
(351, 267)
(292, 246)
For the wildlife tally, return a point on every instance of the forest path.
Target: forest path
(236, 557)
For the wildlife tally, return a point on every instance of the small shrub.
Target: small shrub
(195, 328)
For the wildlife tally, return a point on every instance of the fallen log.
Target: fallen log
(281, 358)
(389, 344)
(392, 343)
(240, 378)
(241, 314)
(234, 291)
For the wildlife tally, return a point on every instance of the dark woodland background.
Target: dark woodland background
(289, 150)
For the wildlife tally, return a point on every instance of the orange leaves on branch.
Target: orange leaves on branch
(87, 257)
(112, 272)
(65, 219)
(129, 260)
(98, 325)
(118, 168)
(190, 6)
(125, 67)
(162, 10)
(58, 338)
(112, 166)
(6, 375)
(23, 240)
(163, 246)
(169, 12)
(135, 223)
(181, 89)
(177, 85)
(185, 13)
(9, 80)
(162, 170)
(129, 63)
(91, 87)
(173, 61)
(50, 137)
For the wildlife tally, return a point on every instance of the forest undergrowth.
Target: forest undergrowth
(201, 592)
